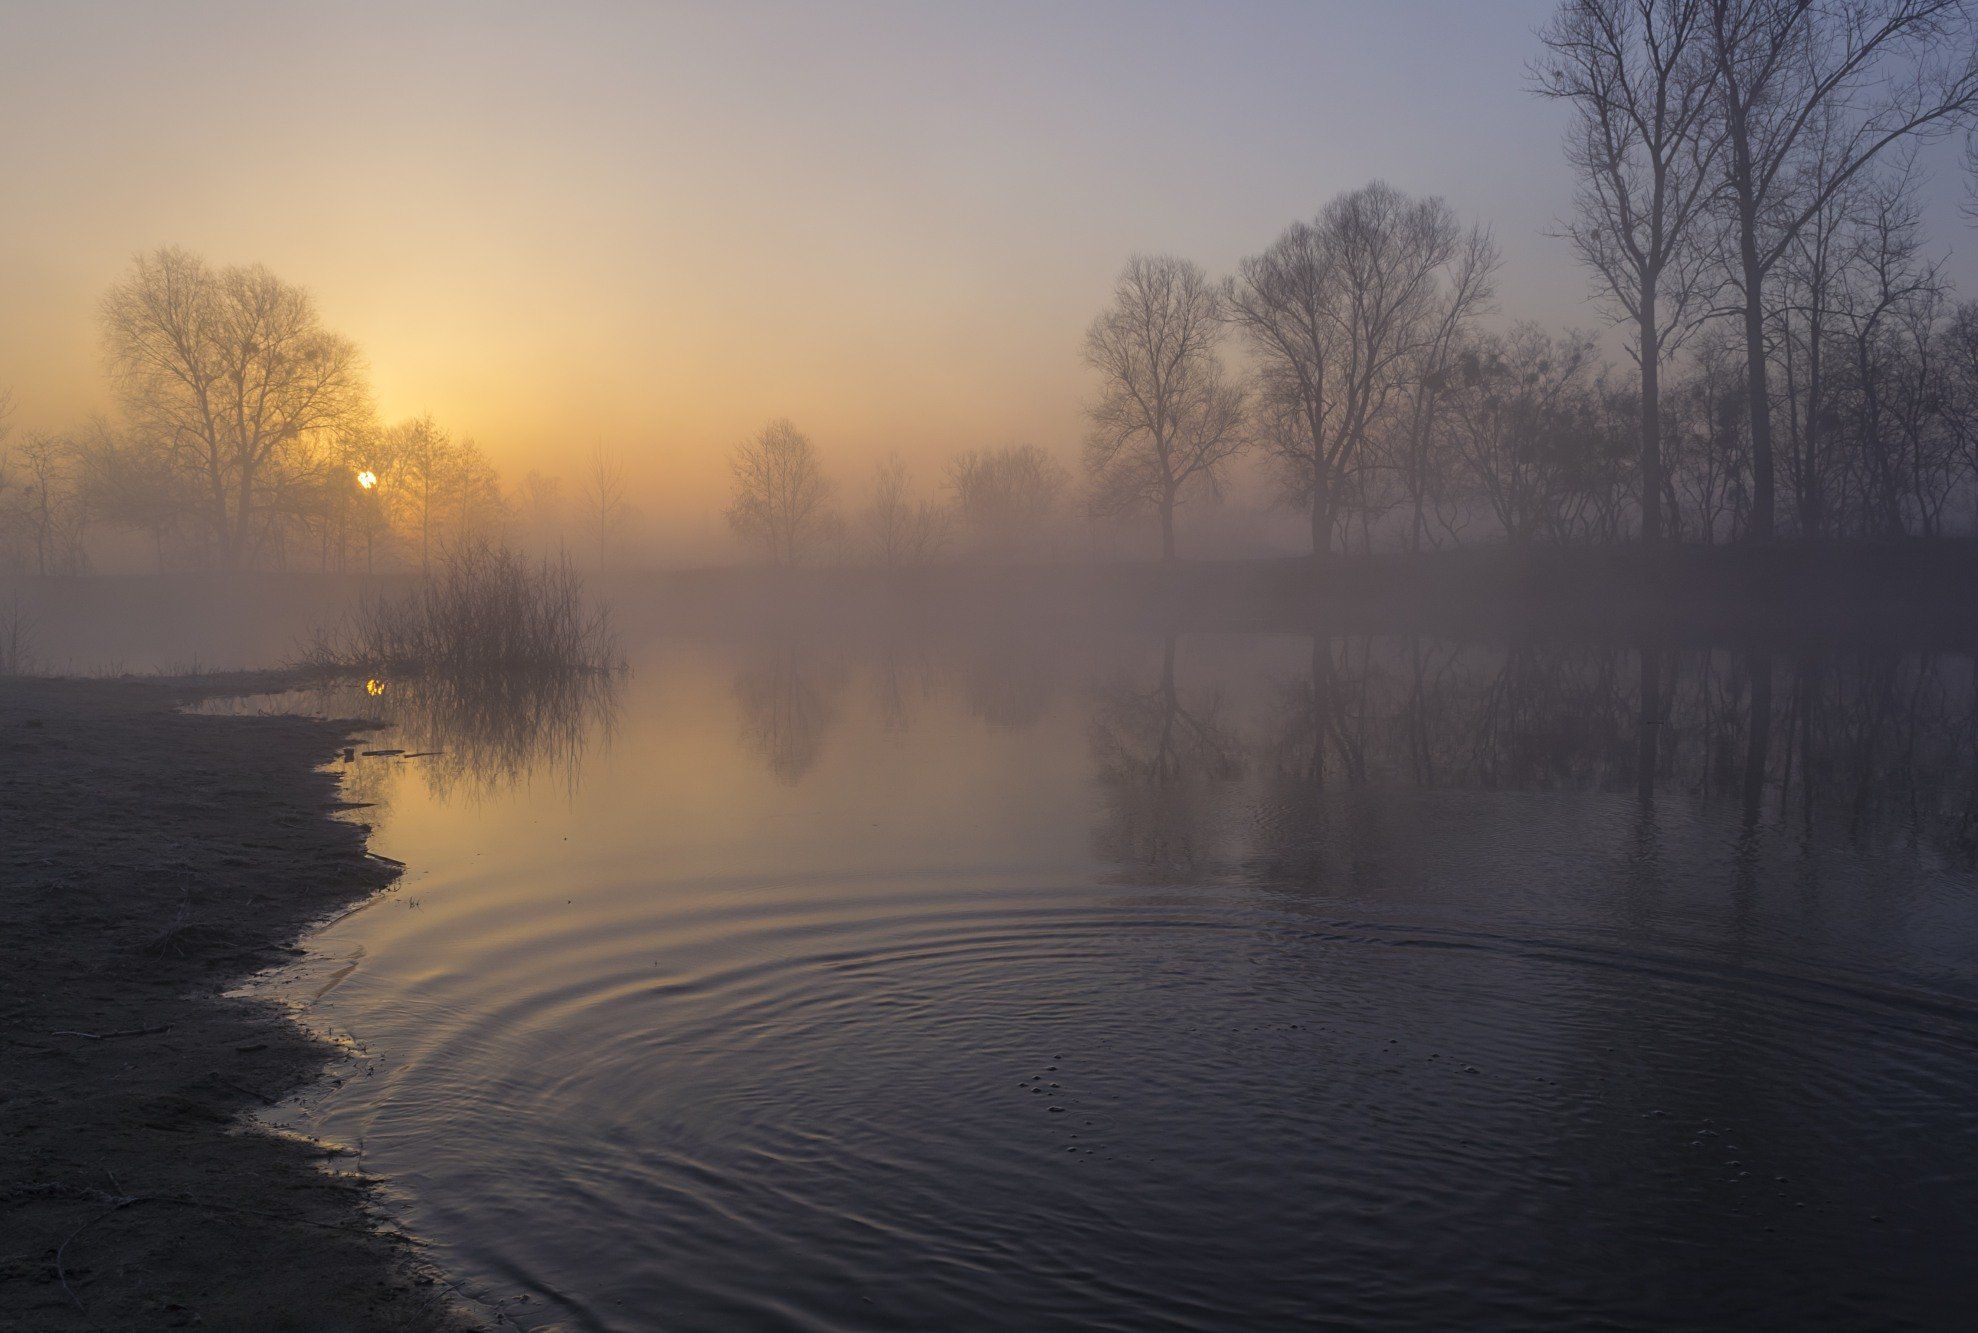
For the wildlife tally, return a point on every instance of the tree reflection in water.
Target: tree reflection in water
(1167, 762)
(788, 694)
(479, 734)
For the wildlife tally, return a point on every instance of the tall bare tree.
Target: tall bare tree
(1337, 309)
(230, 369)
(423, 458)
(782, 498)
(1167, 421)
(1866, 74)
(1643, 142)
(607, 502)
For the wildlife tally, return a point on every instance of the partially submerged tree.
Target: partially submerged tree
(1167, 421)
(232, 372)
(782, 499)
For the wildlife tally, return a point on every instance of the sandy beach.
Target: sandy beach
(150, 862)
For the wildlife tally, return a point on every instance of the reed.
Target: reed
(484, 611)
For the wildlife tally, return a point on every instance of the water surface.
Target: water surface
(1194, 981)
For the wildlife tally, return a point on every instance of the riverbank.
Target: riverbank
(150, 862)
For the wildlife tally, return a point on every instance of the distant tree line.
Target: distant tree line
(1004, 502)
(246, 437)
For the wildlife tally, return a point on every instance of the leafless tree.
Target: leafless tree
(1706, 431)
(1468, 293)
(539, 499)
(782, 497)
(1522, 421)
(1006, 497)
(1870, 74)
(132, 485)
(901, 530)
(1803, 305)
(1886, 318)
(423, 457)
(443, 491)
(230, 369)
(1643, 143)
(1337, 309)
(46, 503)
(606, 501)
(1167, 421)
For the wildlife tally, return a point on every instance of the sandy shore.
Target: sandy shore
(150, 861)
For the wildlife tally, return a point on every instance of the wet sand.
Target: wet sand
(150, 862)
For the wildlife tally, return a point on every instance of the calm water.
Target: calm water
(1205, 982)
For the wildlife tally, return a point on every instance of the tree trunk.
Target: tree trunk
(1758, 394)
(1321, 518)
(1167, 529)
(1651, 422)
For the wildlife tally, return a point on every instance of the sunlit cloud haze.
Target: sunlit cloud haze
(655, 227)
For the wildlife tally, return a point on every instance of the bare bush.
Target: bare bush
(484, 610)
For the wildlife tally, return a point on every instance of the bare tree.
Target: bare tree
(1643, 143)
(1522, 423)
(131, 484)
(47, 503)
(231, 369)
(423, 458)
(1337, 309)
(902, 531)
(1469, 292)
(782, 498)
(607, 505)
(1167, 421)
(1869, 74)
(1007, 496)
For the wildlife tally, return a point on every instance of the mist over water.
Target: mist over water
(1072, 976)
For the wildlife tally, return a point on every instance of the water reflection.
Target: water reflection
(1167, 761)
(788, 697)
(478, 736)
(1870, 747)
(1085, 980)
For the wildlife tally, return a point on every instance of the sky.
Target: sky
(655, 227)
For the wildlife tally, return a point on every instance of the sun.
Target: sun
(367, 479)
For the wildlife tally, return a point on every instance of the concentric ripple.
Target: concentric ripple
(903, 1044)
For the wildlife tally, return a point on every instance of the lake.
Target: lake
(1049, 977)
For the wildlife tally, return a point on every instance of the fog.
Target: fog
(655, 230)
(1027, 665)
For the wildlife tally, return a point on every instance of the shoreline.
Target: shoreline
(152, 861)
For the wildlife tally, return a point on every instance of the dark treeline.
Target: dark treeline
(1748, 208)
